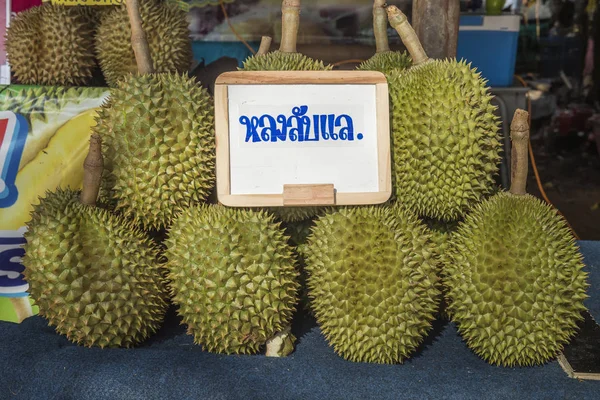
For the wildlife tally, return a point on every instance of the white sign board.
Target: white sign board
(276, 129)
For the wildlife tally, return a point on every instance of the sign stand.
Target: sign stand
(339, 153)
(308, 195)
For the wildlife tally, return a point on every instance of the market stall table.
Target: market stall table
(39, 364)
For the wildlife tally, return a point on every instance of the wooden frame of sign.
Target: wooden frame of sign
(305, 193)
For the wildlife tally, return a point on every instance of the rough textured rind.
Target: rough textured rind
(297, 214)
(386, 62)
(167, 32)
(516, 281)
(299, 233)
(95, 278)
(158, 141)
(441, 235)
(51, 45)
(446, 147)
(279, 61)
(233, 277)
(372, 282)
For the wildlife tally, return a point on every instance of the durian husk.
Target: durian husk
(515, 275)
(167, 33)
(516, 281)
(233, 277)
(158, 137)
(51, 45)
(372, 282)
(96, 278)
(445, 134)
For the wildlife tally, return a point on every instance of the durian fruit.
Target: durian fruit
(159, 133)
(167, 33)
(232, 275)
(446, 149)
(159, 141)
(51, 45)
(372, 282)
(286, 59)
(515, 274)
(95, 277)
(384, 60)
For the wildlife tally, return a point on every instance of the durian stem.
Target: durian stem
(139, 43)
(380, 24)
(399, 22)
(519, 134)
(22, 307)
(92, 172)
(265, 45)
(290, 21)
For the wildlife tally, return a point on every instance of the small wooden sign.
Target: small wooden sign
(302, 138)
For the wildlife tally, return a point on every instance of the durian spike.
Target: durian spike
(290, 21)
(265, 45)
(139, 42)
(399, 22)
(92, 172)
(380, 23)
(519, 135)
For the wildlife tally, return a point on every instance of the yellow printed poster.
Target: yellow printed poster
(44, 137)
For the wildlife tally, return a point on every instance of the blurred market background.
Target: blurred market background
(539, 55)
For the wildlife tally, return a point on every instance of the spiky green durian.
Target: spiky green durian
(516, 281)
(232, 276)
(158, 141)
(386, 62)
(51, 45)
(167, 33)
(445, 138)
(96, 278)
(446, 149)
(372, 282)
(280, 61)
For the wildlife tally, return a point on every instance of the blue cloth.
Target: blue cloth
(39, 364)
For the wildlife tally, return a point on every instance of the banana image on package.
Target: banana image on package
(44, 135)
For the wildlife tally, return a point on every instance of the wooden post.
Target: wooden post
(290, 21)
(380, 25)
(139, 43)
(265, 45)
(519, 134)
(436, 24)
(92, 172)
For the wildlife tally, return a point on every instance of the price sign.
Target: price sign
(302, 138)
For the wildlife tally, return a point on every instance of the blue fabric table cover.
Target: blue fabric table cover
(39, 364)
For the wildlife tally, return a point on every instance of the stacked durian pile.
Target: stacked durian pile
(504, 265)
(66, 45)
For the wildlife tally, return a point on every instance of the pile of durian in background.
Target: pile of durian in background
(104, 263)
